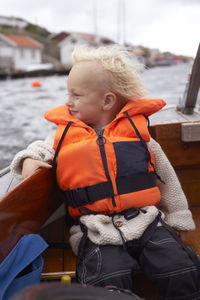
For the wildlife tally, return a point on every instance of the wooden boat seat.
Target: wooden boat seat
(58, 258)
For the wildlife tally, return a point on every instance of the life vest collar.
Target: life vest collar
(145, 107)
(61, 115)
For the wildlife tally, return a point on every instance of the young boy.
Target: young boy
(108, 166)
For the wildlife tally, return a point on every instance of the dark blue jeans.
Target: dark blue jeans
(171, 266)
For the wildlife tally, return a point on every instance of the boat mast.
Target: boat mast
(118, 22)
(121, 22)
(95, 21)
(189, 102)
(124, 21)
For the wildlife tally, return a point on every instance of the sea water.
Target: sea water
(22, 106)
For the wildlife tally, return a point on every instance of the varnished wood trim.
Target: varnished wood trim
(57, 275)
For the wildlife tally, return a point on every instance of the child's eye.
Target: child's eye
(74, 95)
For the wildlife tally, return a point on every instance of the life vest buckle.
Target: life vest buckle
(77, 197)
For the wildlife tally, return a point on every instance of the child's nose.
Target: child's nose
(69, 101)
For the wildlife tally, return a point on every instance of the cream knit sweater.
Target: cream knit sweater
(101, 231)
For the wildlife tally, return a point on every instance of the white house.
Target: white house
(68, 40)
(17, 52)
(13, 22)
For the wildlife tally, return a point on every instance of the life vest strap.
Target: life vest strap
(89, 194)
(144, 143)
(54, 163)
(129, 184)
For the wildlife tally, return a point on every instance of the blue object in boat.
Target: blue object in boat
(25, 254)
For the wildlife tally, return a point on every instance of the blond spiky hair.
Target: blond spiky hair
(123, 68)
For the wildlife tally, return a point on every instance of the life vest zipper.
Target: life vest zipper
(101, 140)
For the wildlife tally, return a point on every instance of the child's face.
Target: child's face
(86, 88)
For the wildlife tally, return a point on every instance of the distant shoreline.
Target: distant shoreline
(38, 73)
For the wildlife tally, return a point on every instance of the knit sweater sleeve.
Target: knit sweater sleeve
(173, 201)
(40, 150)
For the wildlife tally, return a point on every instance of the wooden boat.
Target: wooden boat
(35, 205)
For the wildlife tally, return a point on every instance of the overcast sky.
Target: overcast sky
(169, 25)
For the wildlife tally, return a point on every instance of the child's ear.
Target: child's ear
(109, 101)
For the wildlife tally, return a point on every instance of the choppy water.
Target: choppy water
(22, 107)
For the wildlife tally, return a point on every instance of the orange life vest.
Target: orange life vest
(109, 171)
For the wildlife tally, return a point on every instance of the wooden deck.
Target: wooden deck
(171, 115)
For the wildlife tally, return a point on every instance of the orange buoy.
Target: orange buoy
(36, 83)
